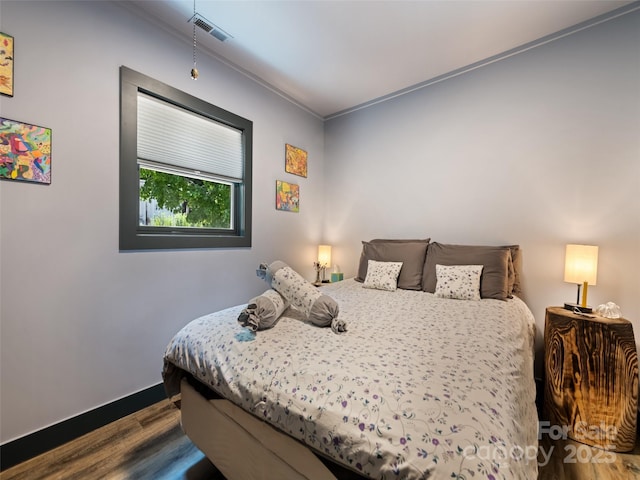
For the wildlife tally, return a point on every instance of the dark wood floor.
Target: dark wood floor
(149, 445)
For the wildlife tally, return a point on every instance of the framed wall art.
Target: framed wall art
(6, 64)
(287, 196)
(25, 152)
(295, 160)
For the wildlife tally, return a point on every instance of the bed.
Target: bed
(420, 386)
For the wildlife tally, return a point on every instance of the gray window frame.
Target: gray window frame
(136, 237)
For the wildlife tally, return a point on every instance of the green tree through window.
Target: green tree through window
(201, 203)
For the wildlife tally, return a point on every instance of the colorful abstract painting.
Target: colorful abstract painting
(287, 196)
(25, 152)
(295, 160)
(6, 64)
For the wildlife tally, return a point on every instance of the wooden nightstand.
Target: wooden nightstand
(591, 385)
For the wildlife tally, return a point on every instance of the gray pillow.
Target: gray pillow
(410, 252)
(400, 240)
(320, 309)
(263, 311)
(494, 282)
(515, 285)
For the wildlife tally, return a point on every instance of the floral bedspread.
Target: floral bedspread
(419, 387)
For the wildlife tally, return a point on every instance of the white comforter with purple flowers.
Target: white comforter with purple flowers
(419, 387)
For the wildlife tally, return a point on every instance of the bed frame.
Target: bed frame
(243, 447)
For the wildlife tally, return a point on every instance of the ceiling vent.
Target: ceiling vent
(209, 27)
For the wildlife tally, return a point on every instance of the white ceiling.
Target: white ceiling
(332, 56)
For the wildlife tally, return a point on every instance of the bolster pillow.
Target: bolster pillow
(263, 311)
(320, 309)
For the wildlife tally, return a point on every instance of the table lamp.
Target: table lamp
(581, 267)
(324, 262)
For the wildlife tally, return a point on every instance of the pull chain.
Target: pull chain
(194, 70)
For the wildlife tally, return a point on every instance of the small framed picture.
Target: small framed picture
(6, 64)
(25, 152)
(295, 160)
(287, 196)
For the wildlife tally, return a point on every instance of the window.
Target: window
(185, 169)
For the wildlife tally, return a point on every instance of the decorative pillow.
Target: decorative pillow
(494, 280)
(515, 285)
(400, 240)
(263, 311)
(461, 282)
(382, 275)
(320, 309)
(410, 252)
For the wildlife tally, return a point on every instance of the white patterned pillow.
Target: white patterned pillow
(461, 282)
(382, 275)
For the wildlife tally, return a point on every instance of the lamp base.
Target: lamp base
(573, 306)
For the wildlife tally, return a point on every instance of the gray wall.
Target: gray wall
(541, 149)
(83, 324)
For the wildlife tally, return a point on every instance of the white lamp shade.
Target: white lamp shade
(324, 255)
(581, 264)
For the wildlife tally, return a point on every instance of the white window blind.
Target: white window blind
(174, 136)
